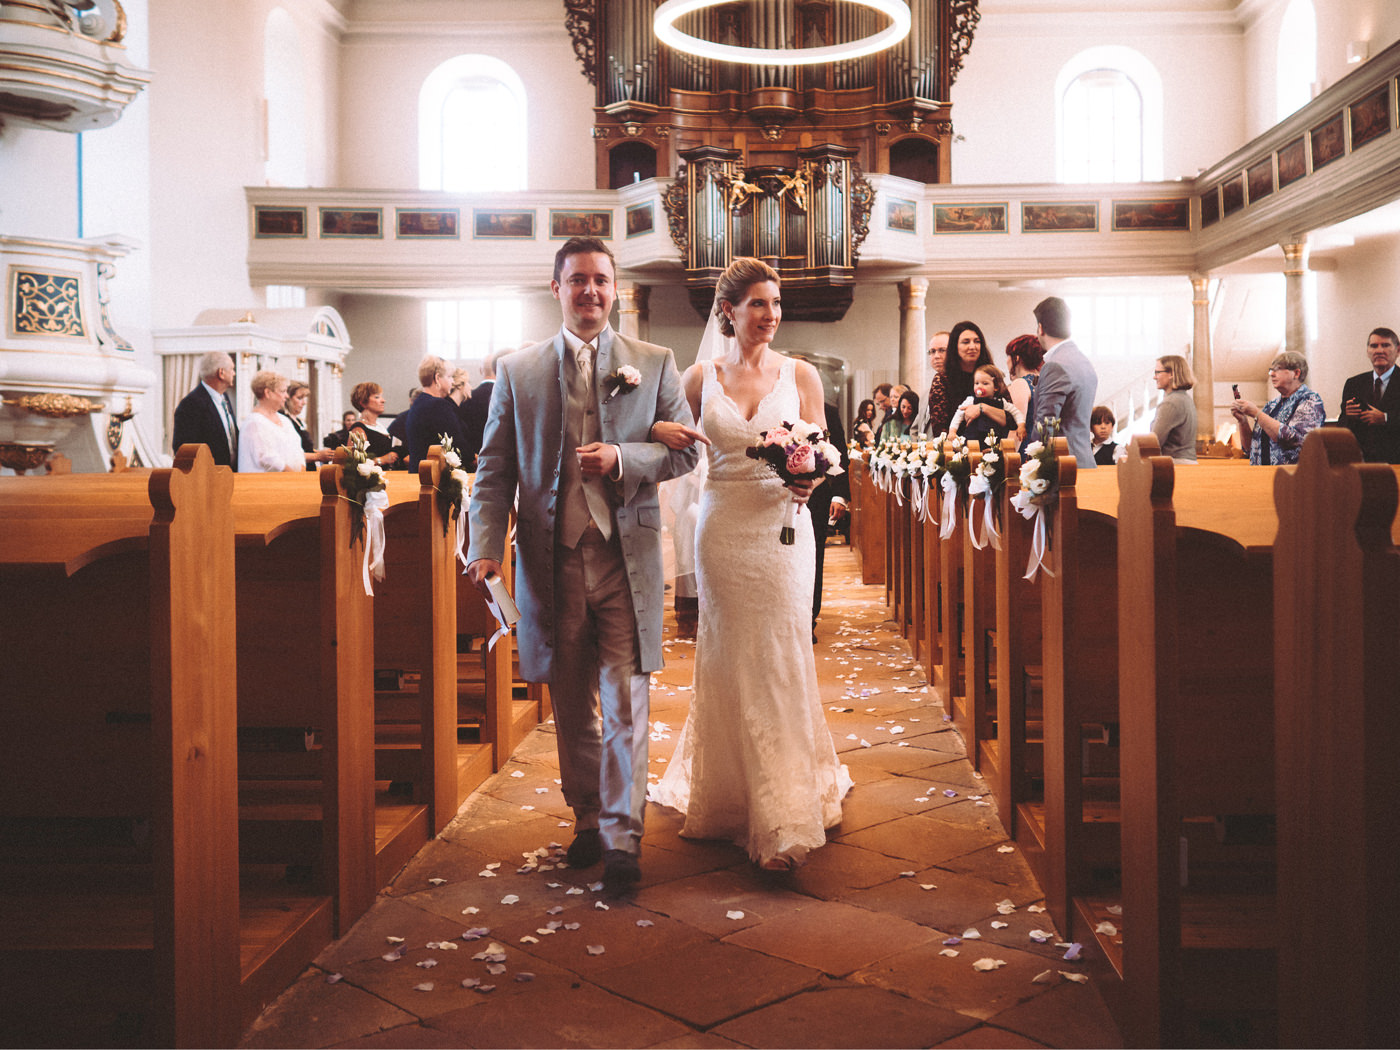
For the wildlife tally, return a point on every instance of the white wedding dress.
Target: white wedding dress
(754, 762)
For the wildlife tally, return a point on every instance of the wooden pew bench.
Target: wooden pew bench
(1192, 954)
(1069, 833)
(1336, 607)
(128, 919)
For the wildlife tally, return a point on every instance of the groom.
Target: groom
(589, 584)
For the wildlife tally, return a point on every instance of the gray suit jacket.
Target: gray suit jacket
(1066, 389)
(522, 450)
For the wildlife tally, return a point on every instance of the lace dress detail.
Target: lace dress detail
(755, 761)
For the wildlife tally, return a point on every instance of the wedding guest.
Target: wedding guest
(296, 402)
(901, 423)
(864, 429)
(433, 414)
(967, 351)
(267, 441)
(475, 408)
(1274, 434)
(384, 448)
(1371, 401)
(1024, 356)
(987, 416)
(1175, 421)
(1101, 424)
(204, 416)
(937, 361)
(337, 438)
(884, 404)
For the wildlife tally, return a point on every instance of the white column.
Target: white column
(913, 338)
(1295, 265)
(1201, 363)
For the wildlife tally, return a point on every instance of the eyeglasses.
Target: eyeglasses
(1281, 368)
(1161, 372)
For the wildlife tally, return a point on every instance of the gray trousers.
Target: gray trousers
(601, 698)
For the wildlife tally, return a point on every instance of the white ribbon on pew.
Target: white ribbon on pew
(899, 492)
(927, 514)
(376, 503)
(950, 507)
(462, 530)
(918, 492)
(980, 486)
(1040, 545)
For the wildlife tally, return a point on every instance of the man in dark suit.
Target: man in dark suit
(828, 499)
(433, 414)
(1067, 384)
(1371, 401)
(204, 416)
(473, 410)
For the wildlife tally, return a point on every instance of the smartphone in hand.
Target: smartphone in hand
(1235, 389)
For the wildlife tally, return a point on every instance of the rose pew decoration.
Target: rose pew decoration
(954, 469)
(363, 481)
(796, 452)
(453, 490)
(1040, 473)
(987, 480)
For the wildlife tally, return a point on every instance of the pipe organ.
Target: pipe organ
(769, 159)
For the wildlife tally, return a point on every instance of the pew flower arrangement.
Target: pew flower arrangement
(987, 480)
(363, 481)
(954, 480)
(453, 488)
(796, 452)
(1040, 473)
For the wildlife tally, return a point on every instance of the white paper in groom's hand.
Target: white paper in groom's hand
(502, 607)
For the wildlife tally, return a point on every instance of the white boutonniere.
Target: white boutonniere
(622, 381)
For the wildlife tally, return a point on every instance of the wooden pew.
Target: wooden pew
(1193, 949)
(1071, 837)
(122, 905)
(930, 588)
(1336, 607)
(978, 639)
(415, 638)
(872, 527)
(1019, 776)
(306, 668)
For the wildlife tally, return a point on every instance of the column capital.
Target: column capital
(1295, 257)
(912, 291)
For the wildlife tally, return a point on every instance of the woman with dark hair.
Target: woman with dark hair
(967, 351)
(1024, 356)
(864, 429)
(901, 424)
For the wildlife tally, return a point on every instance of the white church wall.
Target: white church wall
(1004, 99)
(388, 56)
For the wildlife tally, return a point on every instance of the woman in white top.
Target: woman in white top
(267, 441)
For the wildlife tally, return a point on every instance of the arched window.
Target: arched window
(1297, 57)
(284, 95)
(1108, 103)
(471, 127)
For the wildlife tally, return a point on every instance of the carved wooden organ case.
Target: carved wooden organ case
(769, 160)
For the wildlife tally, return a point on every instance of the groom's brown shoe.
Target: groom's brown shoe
(621, 872)
(586, 850)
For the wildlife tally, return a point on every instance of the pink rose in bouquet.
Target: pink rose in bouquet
(802, 459)
(776, 437)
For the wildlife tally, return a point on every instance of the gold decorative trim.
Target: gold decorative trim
(54, 406)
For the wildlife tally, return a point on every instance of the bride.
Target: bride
(755, 762)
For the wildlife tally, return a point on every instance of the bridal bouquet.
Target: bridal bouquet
(796, 452)
(1040, 470)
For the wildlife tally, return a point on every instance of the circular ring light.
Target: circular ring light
(664, 26)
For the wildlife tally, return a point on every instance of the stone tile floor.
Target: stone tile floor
(849, 951)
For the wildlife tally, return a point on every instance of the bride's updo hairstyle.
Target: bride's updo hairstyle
(741, 275)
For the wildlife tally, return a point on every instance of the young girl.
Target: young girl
(989, 415)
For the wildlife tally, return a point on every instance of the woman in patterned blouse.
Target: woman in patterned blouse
(1274, 434)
